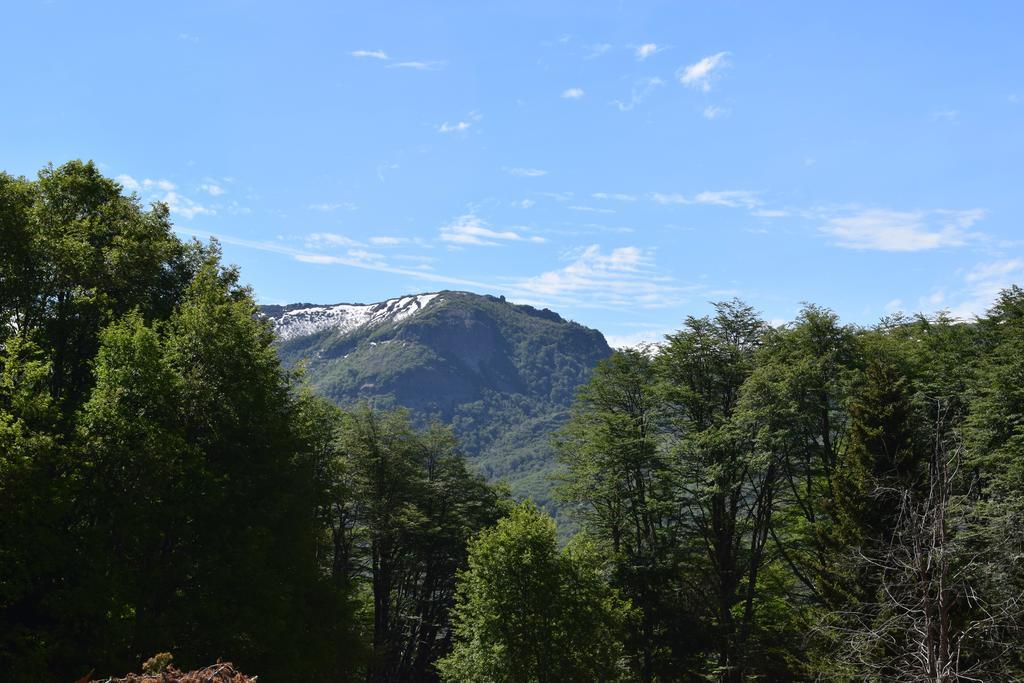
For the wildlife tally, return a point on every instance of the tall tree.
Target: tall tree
(414, 507)
(156, 489)
(724, 486)
(529, 613)
(617, 484)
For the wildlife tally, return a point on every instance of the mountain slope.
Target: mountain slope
(503, 375)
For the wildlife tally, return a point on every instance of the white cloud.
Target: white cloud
(617, 196)
(276, 247)
(646, 50)
(572, 93)
(947, 115)
(162, 190)
(526, 204)
(997, 270)
(372, 54)
(526, 172)
(591, 209)
(894, 305)
(714, 112)
(188, 37)
(669, 198)
(983, 285)
(327, 207)
(129, 183)
(640, 339)
(700, 74)
(418, 66)
(133, 185)
(641, 91)
(626, 277)
(383, 169)
(471, 230)
(363, 255)
(321, 240)
(183, 206)
(454, 127)
(886, 230)
(388, 241)
(730, 198)
(598, 50)
(212, 189)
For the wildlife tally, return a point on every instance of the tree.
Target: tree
(797, 395)
(157, 490)
(616, 484)
(723, 485)
(405, 510)
(527, 612)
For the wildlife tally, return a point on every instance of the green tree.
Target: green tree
(724, 485)
(157, 483)
(616, 483)
(408, 506)
(528, 612)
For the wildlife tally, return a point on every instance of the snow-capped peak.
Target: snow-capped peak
(345, 318)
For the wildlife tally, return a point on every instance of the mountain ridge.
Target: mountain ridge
(504, 375)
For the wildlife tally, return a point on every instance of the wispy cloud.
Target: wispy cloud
(383, 169)
(733, 198)
(887, 230)
(982, 286)
(730, 198)
(418, 66)
(185, 207)
(458, 127)
(617, 196)
(525, 172)
(371, 54)
(389, 241)
(625, 277)
(322, 240)
(651, 334)
(132, 185)
(471, 230)
(348, 259)
(646, 50)
(328, 207)
(212, 189)
(165, 191)
(713, 112)
(700, 74)
(598, 50)
(641, 91)
(572, 93)
(188, 37)
(590, 209)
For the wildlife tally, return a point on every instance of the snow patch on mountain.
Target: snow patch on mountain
(346, 318)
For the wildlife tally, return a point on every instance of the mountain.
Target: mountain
(504, 375)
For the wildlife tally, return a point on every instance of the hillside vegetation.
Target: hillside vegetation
(504, 376)
(810, 501)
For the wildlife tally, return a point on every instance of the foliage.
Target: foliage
(504, 376)
(529, 612)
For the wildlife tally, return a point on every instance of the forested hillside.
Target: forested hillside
(504, 376)
(809, 501)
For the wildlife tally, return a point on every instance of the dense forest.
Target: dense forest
(810, 501)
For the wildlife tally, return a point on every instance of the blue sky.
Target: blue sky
(623, 163)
